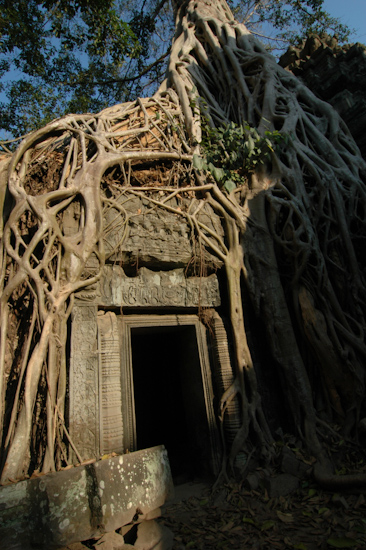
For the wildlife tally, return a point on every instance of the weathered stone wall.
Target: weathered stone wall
(337, 74)
(83, 380)
(157, 238)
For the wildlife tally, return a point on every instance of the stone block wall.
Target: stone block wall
(336, 74)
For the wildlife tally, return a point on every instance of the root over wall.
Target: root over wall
(293, 242)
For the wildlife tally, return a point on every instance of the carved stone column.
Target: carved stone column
(110, 393)
(84, 388)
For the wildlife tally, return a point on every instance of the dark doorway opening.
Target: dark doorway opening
(170, 405)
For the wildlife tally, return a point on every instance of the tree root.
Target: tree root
(293, 238)
(324, 477)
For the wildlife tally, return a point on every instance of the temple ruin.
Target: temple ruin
(146, 302)
(142, 362)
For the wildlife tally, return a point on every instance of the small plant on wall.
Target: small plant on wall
(232, 152)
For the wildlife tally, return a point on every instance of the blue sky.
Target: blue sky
(352, 13)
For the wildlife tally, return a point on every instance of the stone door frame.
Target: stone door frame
(93, 368)
(128, 323)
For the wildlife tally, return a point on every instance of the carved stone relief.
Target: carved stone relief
(156, 237)
(110, 392)
(224, 376)
(157, 289)
(84, 383)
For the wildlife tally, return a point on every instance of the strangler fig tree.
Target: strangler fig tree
(293, 242)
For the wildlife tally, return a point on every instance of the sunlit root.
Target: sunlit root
(293, 239)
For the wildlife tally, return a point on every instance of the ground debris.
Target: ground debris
(308, 519)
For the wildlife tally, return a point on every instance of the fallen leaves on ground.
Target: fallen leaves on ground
(235, 518)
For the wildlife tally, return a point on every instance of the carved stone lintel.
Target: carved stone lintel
(157, 289)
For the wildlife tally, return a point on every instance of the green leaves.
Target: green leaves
(237, 147)
(289, 21)
(218, 173)
(59, 56)
(199, 163)
(229, 186)
(232, 152)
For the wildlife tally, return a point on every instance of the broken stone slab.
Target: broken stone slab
(153, 514)
(281, 485)
(75, 546)
(111, 541)
(292, 465)
(146, 535)
(73, 505)
(153, 536)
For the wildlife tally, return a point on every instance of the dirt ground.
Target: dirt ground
(275, 507)
(233, 517)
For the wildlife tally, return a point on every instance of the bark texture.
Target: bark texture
(293, 243)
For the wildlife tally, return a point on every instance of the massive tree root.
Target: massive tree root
(293, 238)
(304, 214)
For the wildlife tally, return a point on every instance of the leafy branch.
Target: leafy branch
(232, 152)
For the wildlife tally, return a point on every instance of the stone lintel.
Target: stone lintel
(157, 289)
(60, 508)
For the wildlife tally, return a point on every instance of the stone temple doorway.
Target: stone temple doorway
(140, 380)
(170, 377)
(169, 398)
